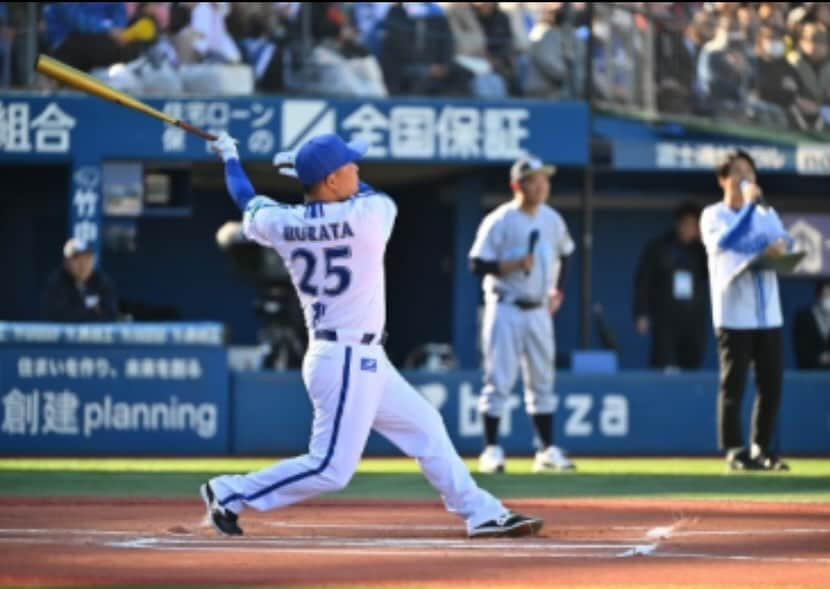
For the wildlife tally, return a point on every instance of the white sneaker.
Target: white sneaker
(491, 460)
(552, 458)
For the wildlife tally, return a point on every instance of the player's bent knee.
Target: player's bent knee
(336, 479)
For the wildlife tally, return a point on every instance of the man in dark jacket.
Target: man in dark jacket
(418, 52)
(77, 292)
(776, 80)
(671, 293)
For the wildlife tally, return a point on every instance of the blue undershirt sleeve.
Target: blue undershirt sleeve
(239, 186)
(738, 230)
(750, 244)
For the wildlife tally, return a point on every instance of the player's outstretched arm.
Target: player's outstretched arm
(239, 187)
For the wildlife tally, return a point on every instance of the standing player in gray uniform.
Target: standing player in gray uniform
(520, 250)
(333, 247)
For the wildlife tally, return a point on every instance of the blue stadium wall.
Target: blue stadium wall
(164, 389)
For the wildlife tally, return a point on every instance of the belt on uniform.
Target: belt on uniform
(527, 305)
(330, 335)
(521, 303)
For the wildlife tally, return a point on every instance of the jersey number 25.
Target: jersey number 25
(342, 275)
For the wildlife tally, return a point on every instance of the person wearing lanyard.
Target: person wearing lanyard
(746, 310)
(670, 299)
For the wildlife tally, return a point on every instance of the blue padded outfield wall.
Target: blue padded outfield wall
(94, 389)
(635, 413)
(164, 389)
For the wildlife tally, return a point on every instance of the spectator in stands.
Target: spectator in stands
(820, 12)
(87, 35)
(748, 22)
(678, 45)
(418, 54)
(14, 69)
(811, 331)
(813, 70)
(772, 15)
(724, 71)
(523, 16)
(260, 30)
(368, 19)
(77, 292)
(551, 55)
(671, 295)
(341, 64)
(776, 81)
(500, 46)
(471, 51)
(795, 20)
(210, 38)
(615, 55)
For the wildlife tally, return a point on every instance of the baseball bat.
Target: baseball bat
(77, 79)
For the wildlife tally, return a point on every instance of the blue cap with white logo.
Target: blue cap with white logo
(323, 154)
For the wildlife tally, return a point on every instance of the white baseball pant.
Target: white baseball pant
(355, 388)
(512, 339)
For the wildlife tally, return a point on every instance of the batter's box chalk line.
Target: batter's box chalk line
(180, 539)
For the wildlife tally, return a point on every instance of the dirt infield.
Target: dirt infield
(596, 542)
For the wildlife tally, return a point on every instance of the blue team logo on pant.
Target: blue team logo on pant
(369, 364)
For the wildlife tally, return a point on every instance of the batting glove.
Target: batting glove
(224, 147)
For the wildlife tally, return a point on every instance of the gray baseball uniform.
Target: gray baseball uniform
(517, 329)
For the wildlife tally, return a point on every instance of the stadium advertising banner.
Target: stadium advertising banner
(113, 389)
(604, 415)
(453, 131)
(643, 147)
(696, 156)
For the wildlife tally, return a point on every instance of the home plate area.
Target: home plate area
(635, 541)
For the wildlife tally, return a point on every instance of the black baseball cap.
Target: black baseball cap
(527, 165)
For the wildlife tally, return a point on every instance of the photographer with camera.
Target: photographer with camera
(276, 306)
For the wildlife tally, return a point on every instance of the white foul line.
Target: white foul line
(329, 542)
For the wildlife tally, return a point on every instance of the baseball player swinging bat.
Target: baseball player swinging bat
(77, 79)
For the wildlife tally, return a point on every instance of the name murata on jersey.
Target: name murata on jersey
(326, 232)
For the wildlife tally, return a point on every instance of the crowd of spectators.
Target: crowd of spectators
(757, 61)
(765, 62)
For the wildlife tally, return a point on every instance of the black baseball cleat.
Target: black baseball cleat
(510, 524)
(741, 460)
(224, 520)
(771, 462)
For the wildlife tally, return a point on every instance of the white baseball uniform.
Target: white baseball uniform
(334, 253)
(517, 328)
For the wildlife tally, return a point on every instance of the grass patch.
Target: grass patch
(401, 479)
